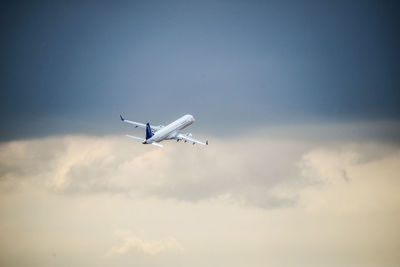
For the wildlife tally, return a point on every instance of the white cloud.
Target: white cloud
(87, 165)
(132, 243)
(240, 201)
(347, 182)
(261, 171)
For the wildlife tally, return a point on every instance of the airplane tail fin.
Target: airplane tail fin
(149, 134)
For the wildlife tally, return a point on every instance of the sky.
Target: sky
(299, 100)
(74, 67)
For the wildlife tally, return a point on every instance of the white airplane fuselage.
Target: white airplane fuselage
(171, 130)
(156, 134)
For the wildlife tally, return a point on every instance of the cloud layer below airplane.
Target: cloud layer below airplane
(321, 201)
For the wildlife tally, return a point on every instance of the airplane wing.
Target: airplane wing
(142, 140)
(190, 139)
(141, 125)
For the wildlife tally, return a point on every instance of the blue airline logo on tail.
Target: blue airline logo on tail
(149, 134)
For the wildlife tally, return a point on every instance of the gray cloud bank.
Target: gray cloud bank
(247, 200)
(259, 169)
(113, 165)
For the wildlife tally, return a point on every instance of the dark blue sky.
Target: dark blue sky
(74, 67)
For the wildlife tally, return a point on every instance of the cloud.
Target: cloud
(348, 180)
(261, 171)
(115, 165)
(132, 243)
(245, 200)
(327, 166)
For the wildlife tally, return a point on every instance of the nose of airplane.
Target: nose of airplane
(191, 118)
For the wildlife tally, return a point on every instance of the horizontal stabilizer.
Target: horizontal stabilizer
(156, 144)
(143, 140)
(136, 138)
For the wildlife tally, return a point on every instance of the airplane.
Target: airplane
(156, 134)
